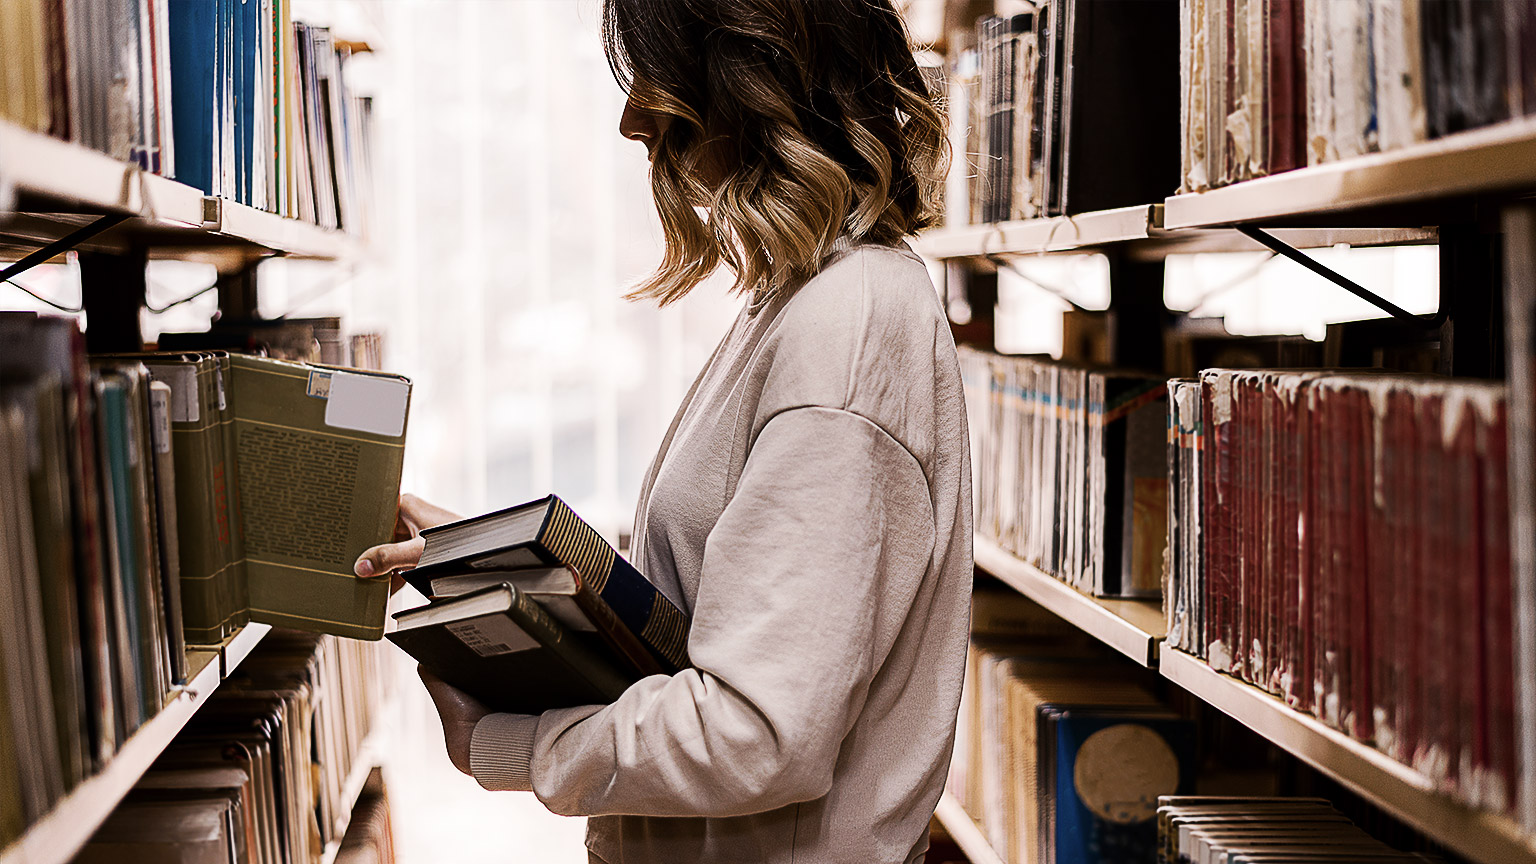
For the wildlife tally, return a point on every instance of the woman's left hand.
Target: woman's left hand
(459, 712)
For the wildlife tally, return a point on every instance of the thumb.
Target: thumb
(390, 556)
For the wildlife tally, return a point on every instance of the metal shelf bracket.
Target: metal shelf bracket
(1280, 247)
(63, 244)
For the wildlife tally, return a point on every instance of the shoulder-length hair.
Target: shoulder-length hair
(792, 122)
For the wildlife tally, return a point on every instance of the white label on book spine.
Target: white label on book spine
(367, 403)
(183, 384)
(160, 402)
(491, 635)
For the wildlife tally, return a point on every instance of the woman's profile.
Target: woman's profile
(810, 506)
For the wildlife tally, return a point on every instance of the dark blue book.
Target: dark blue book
(193, 36)
(548, 533)
(1107, 768)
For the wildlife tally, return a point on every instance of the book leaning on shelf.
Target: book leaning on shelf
(142, 514)
(533, 610)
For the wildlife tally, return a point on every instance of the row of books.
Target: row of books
(230, 96)
(1249, 830)
(1272, 85)
(1070, 470)
(1037, 114)
(151, 501)
(1343, 541)
(91, 639)
(1061, 752)
(259, 774)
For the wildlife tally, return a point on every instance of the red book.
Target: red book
(1284, 86)
(1274, 534)
(1292, 510)
(1314, 579)
(1357, 594)
(1243, 483)
(1467, 621)
(1435, 698)
(1411, 568)
(1217, 506)
(1496, 758)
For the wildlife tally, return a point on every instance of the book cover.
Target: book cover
(1111, 766)
(501, 647)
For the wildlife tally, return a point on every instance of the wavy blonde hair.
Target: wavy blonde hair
(793, 122)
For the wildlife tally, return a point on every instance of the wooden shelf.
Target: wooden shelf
(1132, 627)
(1391, 785)
(1494, 159)
(1139, 232)
(968, 835)
(58, 186)
(56, 837)
(1036, 236)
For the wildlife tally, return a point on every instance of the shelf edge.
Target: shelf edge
(1061, 599)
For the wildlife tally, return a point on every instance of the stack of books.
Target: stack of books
(1343, 541)
(531, 609)
(1272, 85)
(1247, 830)
(230, 96)
(1061, 751)
(157, 500)
(1070, 474)
(259, 774)
(1034, 100)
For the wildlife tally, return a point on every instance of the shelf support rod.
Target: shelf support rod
(63, 244)
(1280, 247)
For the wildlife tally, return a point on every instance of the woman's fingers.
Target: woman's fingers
(420, 515)
(390, 556)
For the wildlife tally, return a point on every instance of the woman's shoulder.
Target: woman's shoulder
(866, 334)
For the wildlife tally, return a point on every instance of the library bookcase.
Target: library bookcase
(51, 189)
(1453, 191)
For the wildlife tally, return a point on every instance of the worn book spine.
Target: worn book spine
(228, 475)
(634, 600)
(169, 539)
(1496, 768)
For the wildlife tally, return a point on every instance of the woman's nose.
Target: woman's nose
(637, 125)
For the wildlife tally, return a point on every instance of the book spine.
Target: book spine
(538, 623)
(164, 464)
(1496, 759)
(617, 636)
(636, 602)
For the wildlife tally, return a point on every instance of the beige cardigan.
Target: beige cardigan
(811, 509)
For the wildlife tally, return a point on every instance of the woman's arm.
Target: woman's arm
(807, 578)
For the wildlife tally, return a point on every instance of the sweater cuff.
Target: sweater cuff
(501, 752)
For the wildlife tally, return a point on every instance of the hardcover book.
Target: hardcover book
(506, 650)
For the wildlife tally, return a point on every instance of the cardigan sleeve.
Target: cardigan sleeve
(808, 575)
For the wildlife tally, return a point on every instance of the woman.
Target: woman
(810, 506)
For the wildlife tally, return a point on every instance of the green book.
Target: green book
(292, 470)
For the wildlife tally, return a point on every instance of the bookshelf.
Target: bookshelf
(59, 185)
(967, 835)
(1132, 627)
(56, 837)
(1391, 785)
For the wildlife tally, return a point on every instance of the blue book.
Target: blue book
(248, 96)
(193, 35)
(1107, 768)
(547, 533)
